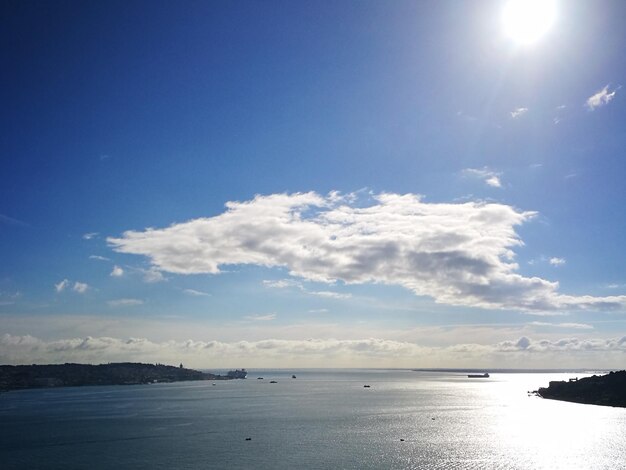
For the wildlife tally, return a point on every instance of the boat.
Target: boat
(273, 382)
(366, 386)
(237, 374)
(479, 376)
(293, 376)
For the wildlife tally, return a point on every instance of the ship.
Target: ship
(479, 376)
(237, 374)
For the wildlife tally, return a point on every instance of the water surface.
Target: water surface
(322, 419)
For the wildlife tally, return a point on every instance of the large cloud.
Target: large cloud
(458, 254)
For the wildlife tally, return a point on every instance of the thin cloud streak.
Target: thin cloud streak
(124, 302)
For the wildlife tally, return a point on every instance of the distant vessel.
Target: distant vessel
(293, 376)
(478, 376)
(273, 382)
(237, 374)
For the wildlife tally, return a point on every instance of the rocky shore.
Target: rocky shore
(606, 390)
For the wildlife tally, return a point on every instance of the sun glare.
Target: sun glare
(526, 21)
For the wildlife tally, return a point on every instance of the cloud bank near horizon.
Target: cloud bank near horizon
(457, 253)
(312, 352)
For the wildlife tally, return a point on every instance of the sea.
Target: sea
(322, 419)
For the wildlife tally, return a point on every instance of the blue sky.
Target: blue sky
(312, 184)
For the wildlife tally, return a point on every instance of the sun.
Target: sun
(526, 21)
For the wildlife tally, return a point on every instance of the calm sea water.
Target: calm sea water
(322, 419)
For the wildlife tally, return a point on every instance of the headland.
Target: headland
(72, 375)
(606, 390)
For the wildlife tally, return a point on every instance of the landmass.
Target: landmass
(606, 390)
(123, 373)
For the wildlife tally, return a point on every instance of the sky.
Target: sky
(313, 184)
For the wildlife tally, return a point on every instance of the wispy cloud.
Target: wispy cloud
(117, 271)
(318, 310)
(554, 261)
(459, 254)
(466, 117)
(330, 294)
(196, 293)
(99, 258)
(490, 177)
(573, 326)
(9, 298)
(124, 302)
(282, 283)
(518, 112)
(600, 98)
(79, 287)
(90, 235)
(288, 283)
(5, 219)
(268, 317)
(61, 286)
(615, 286)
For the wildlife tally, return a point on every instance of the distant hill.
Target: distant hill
(70, 375)
(607, 390)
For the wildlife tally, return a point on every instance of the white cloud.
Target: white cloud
(80, 287)
(91, 235)
(268, 317)
(524, 351)
(282, 283)
(61, 286)
(117, 271)
(318, 310)
(518, 112)
(557, 261)
(330, 294)
(575, 326)
(601, 98)
(152, 276)
(99, 258)
(196, 293)
(491, 178)
(459, 254)
(493, 181)
(124, 302)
